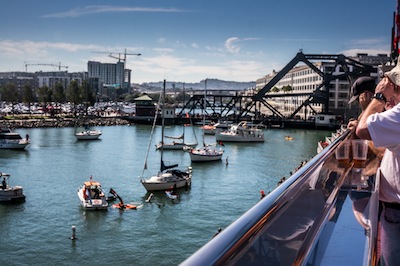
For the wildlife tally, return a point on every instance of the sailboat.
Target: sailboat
(178, 142)
(168, 176)
(207, 153)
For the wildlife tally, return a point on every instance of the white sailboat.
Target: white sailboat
(207, 153)
(168, 176)
(178, 142)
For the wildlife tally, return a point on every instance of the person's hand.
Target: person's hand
(386, 87)
(352, 124)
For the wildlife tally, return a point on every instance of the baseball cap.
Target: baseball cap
(394, 74)
(363, 84)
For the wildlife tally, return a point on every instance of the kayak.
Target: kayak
(125, 206)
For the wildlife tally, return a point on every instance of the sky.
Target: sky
(188, 41)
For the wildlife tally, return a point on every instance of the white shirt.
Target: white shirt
(384, 129)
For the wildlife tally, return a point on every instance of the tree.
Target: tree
(275, 89)
(74, 94)
(27, 96)
(58, 93)
(88, 96)
(44, 95)
(287, 88)
(9, 93)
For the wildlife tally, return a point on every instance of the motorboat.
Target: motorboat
(88, 134)
(206, 154)
(10, 194)
(168, 175)
(241, 133)
(92, 196)
(209, 129)
(12, 140)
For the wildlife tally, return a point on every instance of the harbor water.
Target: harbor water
(162, 232)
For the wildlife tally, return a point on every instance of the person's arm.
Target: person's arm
(376, 106)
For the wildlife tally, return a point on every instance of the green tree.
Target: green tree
(27, 96)
(275, 89)
(74, 94)
(58, 93)
(9, 93)
(88, 96)
(287, 88)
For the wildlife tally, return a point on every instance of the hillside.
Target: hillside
(212, 84)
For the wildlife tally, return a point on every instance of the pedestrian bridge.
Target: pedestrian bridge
(326, 213)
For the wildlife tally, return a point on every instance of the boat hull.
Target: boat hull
(164, 181)
(88, 135)
(226, 137)
(14, 145)
(205, 156)
(12, 194)
(175, 146)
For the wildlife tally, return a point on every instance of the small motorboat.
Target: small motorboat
(88, 135)
(9, 194)
(241, 133)
(92, 196)
(12, 140)
(289, 138)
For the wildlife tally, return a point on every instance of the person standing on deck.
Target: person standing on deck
(383, 128)
(363, 90)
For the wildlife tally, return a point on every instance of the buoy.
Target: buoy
(73, 237)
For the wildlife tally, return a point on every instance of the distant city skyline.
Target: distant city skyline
(188, 41)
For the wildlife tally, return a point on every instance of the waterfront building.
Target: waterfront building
(302, 79)
(111, 79)
(50, 79)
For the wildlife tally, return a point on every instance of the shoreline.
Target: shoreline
(60, 122)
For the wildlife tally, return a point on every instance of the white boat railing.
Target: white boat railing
(302, 221)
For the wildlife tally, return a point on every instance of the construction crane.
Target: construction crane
(119, 57)
(53, 65)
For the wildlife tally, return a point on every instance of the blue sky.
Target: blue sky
(188, 41)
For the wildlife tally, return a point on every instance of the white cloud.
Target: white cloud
(230, 45)
(78, 12)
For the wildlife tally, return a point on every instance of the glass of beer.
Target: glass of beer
(342, 152)
(360, 151)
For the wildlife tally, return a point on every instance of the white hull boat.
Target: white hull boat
(175, 146)
(92, 196)
(168, 176)
(166, 180)
(12, 140)
(10, 194)
(88, 135)
(205, 155)
(241, 133)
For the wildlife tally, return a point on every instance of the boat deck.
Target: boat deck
(324, 214)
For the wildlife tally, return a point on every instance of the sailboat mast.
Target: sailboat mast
(162, 125)
(204, 102)
(184, 111)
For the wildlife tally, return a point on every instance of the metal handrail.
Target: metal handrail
(228, 246)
